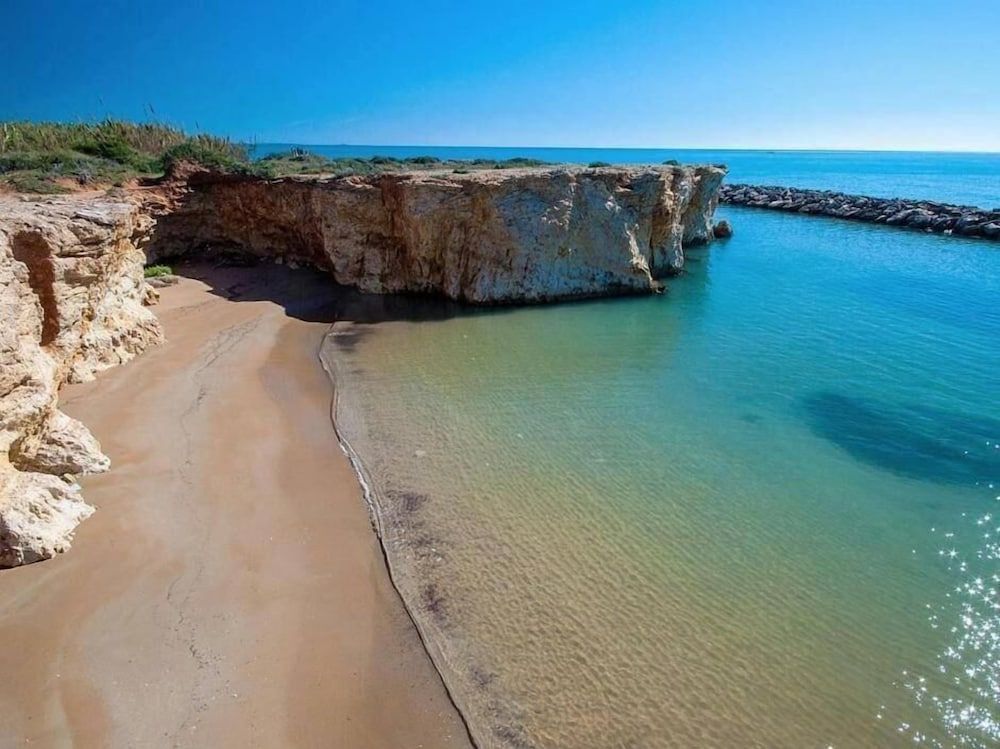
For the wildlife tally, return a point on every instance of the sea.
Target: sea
(759, 510)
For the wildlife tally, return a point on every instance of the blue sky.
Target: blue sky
(789, 74)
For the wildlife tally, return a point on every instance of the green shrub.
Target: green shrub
(295, 161)
(598, 164)
(521, 161)
(423, 160)
(19, 161)
(114, 148)
(32, 182)
(208, 151)
(154, 271)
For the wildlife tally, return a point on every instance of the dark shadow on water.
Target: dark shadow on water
(646, 326)
(312, 295)
(909, 440)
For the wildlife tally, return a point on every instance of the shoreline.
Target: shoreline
(430, 647)
(487, 721)
(229, 590)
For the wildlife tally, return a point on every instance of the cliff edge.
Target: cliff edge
(485, 237)
(71, 304)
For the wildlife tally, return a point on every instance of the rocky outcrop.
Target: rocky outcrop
(722, 230)
(914, 214)
(487, 237)
(71, 304)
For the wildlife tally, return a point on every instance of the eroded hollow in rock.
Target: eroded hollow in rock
(31, 249)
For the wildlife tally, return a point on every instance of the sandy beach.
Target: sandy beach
(229, 591)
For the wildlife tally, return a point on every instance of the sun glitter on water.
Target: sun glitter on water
(966, 693)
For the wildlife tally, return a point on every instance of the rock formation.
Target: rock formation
(72, 288)
(914, 214)
(487, 237)
(71, 304)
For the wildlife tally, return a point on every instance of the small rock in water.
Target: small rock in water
(722, 230)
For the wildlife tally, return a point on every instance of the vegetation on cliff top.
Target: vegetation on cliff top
(54, 157)
(48, 157)
(301, 161)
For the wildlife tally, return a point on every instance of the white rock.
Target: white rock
(488, 236)
(71, 304)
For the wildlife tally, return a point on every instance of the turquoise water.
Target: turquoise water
(962, 178)
(759, 510)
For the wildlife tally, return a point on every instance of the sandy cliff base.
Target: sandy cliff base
(229, 591)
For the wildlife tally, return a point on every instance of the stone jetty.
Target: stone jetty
(923, 215)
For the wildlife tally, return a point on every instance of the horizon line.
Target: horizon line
(632, 148)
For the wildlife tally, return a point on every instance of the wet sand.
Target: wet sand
(229, 591)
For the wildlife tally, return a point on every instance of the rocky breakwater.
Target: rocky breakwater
(486, 237)
(72, 300)
(914, 214)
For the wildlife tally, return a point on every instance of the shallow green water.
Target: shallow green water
(755, 511)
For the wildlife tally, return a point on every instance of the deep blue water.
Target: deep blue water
(962, 178)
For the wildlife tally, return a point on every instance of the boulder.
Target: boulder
(722, 230)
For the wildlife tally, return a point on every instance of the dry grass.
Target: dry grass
(34, 155)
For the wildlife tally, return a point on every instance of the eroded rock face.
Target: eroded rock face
(71, 304)
(492, 236)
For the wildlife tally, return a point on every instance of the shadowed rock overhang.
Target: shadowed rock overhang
(485, 237)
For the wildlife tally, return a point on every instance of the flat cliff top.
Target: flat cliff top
(108, 206)
(497, 176)
(18, 212)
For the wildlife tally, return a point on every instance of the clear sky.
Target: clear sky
(895, 74)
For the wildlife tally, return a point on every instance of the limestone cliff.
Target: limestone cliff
(71, 304)
(492, 236)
